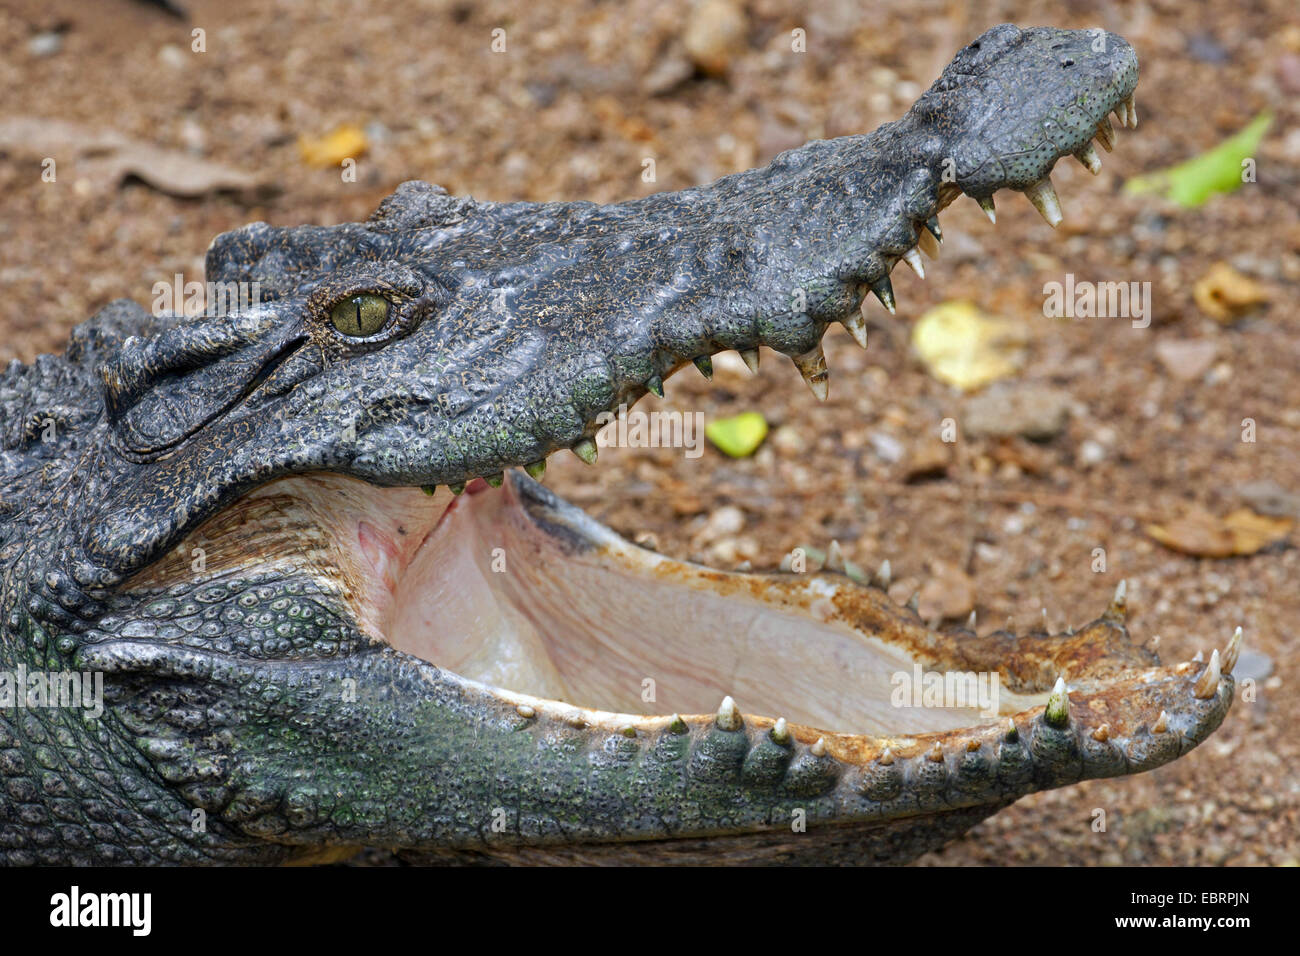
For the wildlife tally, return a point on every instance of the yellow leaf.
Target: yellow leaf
(344, 142)
(738, 436)
(965, 347)
(1208, 536)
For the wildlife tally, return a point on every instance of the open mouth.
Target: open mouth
(524, 597)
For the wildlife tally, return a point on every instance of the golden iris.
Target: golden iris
(361, 315)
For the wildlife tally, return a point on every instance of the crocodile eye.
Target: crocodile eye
(361, 315)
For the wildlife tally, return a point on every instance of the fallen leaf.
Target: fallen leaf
(1224, 294)
(1219, 170)
(963, 346)
(1205, 535)
(343, 142)
(106, 158)
(738, 436)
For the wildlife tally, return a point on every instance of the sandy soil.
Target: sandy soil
(584, 93)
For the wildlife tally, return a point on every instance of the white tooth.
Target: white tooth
(913, 259)
(857, 327)
(1208, 684)
(1043, 196)
(1091, 161)
(929, 245)
(1233, 649)
(1106, 134)
(1131, 103)
(751, 359)
(1121, 114)
(987, 205)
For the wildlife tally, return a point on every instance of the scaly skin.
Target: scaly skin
(254, 711)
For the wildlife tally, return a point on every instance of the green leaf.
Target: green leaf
(1219, 170)
(738, 436)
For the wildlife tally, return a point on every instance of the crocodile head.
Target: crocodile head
(331, 614)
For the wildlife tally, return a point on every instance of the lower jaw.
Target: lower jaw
(529, 600)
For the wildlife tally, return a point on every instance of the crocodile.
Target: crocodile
(301, 551)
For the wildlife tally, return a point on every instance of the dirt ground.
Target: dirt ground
(583, 93)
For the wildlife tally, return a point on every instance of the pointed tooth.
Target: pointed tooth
(536, 469)
(751, 359)
(927, 243)
(1012, 733)
(886, 758)
(1198, 657)
(884, 575)
(496, 480)
(812, 366)
(970, 622)
(586, 450)
(835, 558)
(1208, 684)
(987, 205)
(729, 715)
(656, 385)
(1101, 734)
(705, 364)
(1231, 651)
(935, 754)
(1047, 626)
(932, 226)
(429, 489)
(914, 602)
(1043, 196)
(1131, 103)
(1057, 713)
(856, 326)
(818, 749)
(780, 733)
(677, 725)
(525, 711)
(1121, 113)
(457, 489)
(1088, 156)
(787, 563)
(1106, 134)
(1161, 724)
(1119, 602)
(884, 291)
(913, 260)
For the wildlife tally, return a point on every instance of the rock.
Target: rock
(716, 35)
(888, 447)
(1186, 359)
(1036, 412)
(1267, 497)
(1255, 665)
(948, 594)
(47, 43)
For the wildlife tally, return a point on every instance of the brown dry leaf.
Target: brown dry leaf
(1206, 535)
(1224, 294)
(105, 158)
